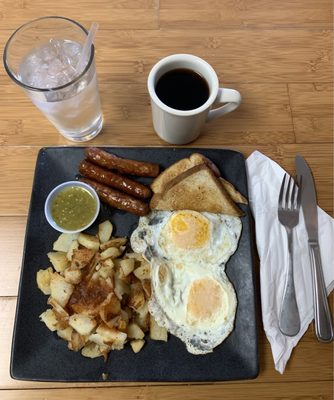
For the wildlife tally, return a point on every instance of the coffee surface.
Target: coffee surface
(182, 89)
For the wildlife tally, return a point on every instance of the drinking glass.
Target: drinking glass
(42, 57)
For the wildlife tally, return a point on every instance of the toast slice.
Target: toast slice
(196, 189)
(236, 196)
(160, 182)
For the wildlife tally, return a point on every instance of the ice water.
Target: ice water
(74, 109)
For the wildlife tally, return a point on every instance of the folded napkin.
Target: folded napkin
(264, 182)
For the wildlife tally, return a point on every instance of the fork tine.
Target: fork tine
(294, 194)
(288, 196)
(280, 198)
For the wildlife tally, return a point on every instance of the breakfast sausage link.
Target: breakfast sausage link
(117, 199)
(123, 165)
(116, 181)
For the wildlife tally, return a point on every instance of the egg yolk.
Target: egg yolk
(189, 230)
(205, 300)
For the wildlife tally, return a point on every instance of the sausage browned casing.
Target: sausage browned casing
(109, 178)
(117, 199)
(123, 165)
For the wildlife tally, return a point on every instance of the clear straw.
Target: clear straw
(87, 46)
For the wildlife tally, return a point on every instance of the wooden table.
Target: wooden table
(278, 54)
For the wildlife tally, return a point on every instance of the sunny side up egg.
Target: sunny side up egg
(191, 294)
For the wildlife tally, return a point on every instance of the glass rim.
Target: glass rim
(36, 89)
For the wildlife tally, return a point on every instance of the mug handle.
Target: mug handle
(231, 97)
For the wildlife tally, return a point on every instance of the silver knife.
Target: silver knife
(322, 316)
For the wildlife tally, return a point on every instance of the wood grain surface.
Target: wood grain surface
(278, 54)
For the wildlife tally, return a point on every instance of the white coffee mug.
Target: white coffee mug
(178, 126)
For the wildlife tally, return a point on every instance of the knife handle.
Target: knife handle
(322, 316)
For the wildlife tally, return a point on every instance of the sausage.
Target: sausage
(122, 165)
(116, 181)
(117, 199)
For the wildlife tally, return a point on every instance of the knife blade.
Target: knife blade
(322, 316)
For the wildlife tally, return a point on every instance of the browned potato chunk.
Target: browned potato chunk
(82, 257)
(50, 319)
(137, 296)
(83, 324)
(114, 242)
(137, 345)
(89, 241)
(127, 266)
(91, 350)
(134, 331)
(43, 278)
(59, 260)
(105, 231)
(61, 290)
(64, 242)
(157, 332)
(72, 275)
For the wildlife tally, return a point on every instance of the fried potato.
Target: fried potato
(96, 338)
(121, 287)
(82, 257)
(83, 324)
(137, 296)
(111, 309)
(142, 317)
(114, 242)
(134, 331)
(127, 266)
(43, 278)
(89, 241)
(59, 260)
(61, 290)
(106, 271)
(91, 350)
(74, 246)
(66, 333)
(72, 275)
(57, 308)
(157, 332)
(64, 242)
(50, 319)
(137, 345)
(144, 271)
(98, 294)
(111, 335)
(105, 231)
(110, 252)
(146, 283)
(77, 341)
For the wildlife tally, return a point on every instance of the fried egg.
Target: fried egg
(187, 236)
(191, 294)
(194, 303)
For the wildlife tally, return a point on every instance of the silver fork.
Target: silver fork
(288, 215)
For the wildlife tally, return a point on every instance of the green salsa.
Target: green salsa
(73, 208)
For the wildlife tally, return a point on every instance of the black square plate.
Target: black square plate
(38, 354)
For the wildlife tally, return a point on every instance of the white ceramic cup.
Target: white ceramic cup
(178, 126)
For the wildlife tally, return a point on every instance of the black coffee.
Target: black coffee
(182, 89)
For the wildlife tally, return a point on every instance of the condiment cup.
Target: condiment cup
(54, 193)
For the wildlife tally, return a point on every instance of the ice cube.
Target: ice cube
(51, 65)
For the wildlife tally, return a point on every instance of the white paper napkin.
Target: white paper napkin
(264, 182)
